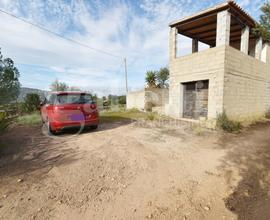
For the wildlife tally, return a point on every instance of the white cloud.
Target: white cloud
(138, 32)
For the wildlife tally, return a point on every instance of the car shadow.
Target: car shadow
(249, 152)
(25, 149)
(105, 124)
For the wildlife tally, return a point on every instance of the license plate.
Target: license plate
(77, 117)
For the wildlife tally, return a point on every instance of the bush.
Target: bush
(267, 114)
(31, 103)
(224, 123)
(122, 100)
(151, 116)
(3, 121)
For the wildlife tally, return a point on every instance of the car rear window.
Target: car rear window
(73, 98)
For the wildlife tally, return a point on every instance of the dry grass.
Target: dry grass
(31, 119)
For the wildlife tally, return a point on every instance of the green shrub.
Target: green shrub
(149, 106)
(151, 116)
(224, 123)
(133, 110)
(3, 121)
(198, 130)
(267, 114)
(3, 115)
(31, 103)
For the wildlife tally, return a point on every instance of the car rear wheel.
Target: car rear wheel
(94, 127)
(50, 129)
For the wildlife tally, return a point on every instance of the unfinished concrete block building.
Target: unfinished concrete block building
(232, 75)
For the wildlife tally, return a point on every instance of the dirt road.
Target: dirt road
(135, 171)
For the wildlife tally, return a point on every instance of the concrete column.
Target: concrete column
(265, 57)
(223, 28)
(245, 40)
(195, 45)
(258, 48)
(173, 43)
(181, 103)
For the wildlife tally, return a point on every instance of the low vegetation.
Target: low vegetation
(112, 116)
(133, 114)
(3, 121)
(224, 123)
(267, 114)
(198, 130)
(30, 119)
(151, 116)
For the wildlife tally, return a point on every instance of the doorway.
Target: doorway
(195, 99)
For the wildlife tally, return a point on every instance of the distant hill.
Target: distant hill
(24, 91)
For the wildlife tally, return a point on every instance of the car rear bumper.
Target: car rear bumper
(58, 126)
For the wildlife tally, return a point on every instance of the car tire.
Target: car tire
(94, 127)
(50, 130)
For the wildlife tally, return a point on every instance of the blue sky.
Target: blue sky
(137, 30)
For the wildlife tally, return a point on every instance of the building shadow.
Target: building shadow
(249, 153)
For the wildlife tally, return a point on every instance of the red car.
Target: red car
(69, 109)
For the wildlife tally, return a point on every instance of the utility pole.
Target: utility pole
(125, 63)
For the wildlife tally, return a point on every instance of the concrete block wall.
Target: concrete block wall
(153, 96)
(136, 100)
(246, 86)
(157, 96)
(205, 65)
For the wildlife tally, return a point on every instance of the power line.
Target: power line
(59, 35)
(71, 40)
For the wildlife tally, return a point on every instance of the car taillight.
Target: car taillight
(93, 106)
(55, 108)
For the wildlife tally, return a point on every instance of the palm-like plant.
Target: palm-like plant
(151, 79)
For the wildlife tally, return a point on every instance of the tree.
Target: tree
(265, 17)
(59, 86)
(163, 77)
(31, 102)
(263, 27)
(94, 97)
(151, 79)
(122, 99)
(9, 80)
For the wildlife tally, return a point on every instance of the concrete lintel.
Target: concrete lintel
(223, 28)
(245, 39)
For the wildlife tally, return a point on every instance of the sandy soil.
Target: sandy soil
(135, 171)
